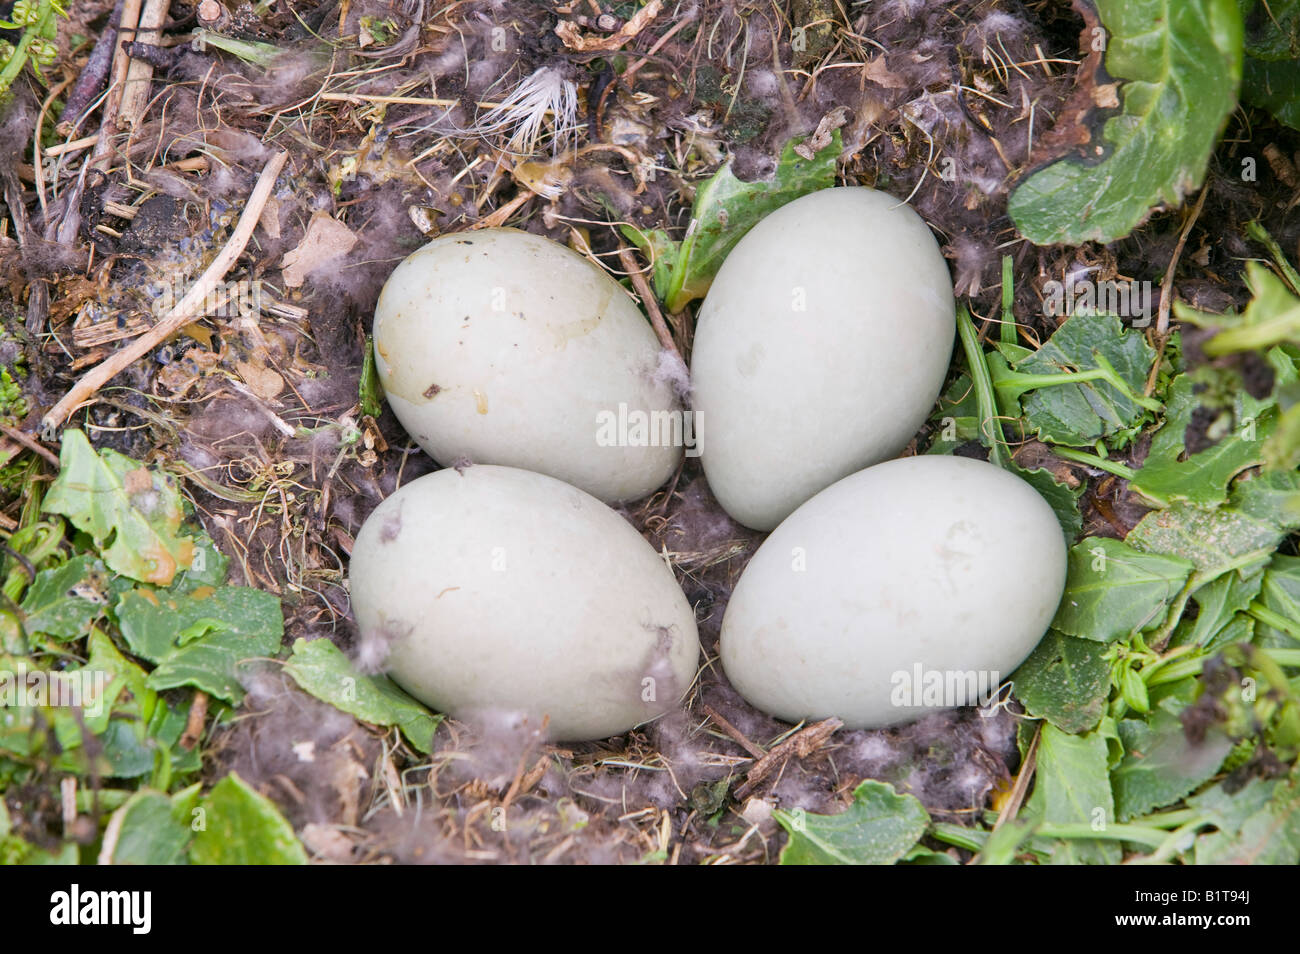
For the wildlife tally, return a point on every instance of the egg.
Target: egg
(819, 350)
(499, 590)
(914, 585)
(502, 347)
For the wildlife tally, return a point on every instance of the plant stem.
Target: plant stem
(983, 383)
(1007, 333)
(1260, 234)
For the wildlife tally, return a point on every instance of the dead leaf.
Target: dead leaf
(1106, 95)
(821, 137)
(261, 380)
(879, 73)
(326, 241)
(269, 220)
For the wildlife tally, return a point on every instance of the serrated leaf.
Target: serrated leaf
(726, 208)
(1113, 590)
(1071, 786)
(63, 601)
(1201, 478)
(114, 498)
(879, 828)
(240, 826)
(1079, 414)
(1179, 64)
(1160, 764)
(321, 669)
(1066, 681)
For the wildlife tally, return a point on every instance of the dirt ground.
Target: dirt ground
(384, 108)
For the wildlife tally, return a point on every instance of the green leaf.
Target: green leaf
(113, 498)
(726, 208)
(879, 828)
(1274, 87)
(1079, 414)
(62, 602)
(1259, 825)
(1066, 681)
(1160, 764)
(322, 670)
(370, 391)
(1272, 28)
(1217, 603)
(1260, 512)
(659, 250)
(200, 638)
(1202, 478)
(239, 826)
(151, 834)
(1180, 65)
(1071, 786)
(1113, 590)
(1279, 593)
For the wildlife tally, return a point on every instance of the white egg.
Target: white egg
(917, 584)
(819, 349)
(502, 347)
(504, 591)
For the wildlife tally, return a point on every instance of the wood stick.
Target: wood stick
(651, 303)
(184, 311)
(139, 73)
(117, 81)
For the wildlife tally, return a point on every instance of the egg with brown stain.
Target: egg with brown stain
(503, 347)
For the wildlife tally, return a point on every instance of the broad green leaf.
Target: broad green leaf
(1113, 590)
(1260, 825)
(240, 826)
(879, 828)
(1078, 414)
(151, 834)
(1168, 474)
(1071, 787)
(1259, 513)
(726, 208)
(200, 638)
(1273, 86)
(1272, 28)
(1179, 64)
(112, 497)
(1271, 72)
(1160, 764)
(321, 669)
(1066, 681)
(63, 601)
